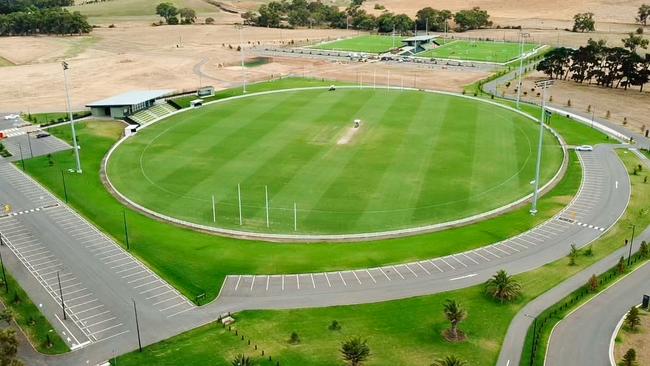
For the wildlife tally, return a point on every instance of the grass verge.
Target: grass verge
(39, 331)
(403, 332)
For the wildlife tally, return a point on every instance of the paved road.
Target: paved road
(583, 338)
(99, 280)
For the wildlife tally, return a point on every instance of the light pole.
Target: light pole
(65, 189)
(137, 325)
(521, 64)
(74, 133)
(544, 84)
(58, 277)
(629, 255)
(126, 230)
(532, 346)
(241, 51)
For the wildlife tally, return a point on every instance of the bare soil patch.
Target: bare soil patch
(347, 137)
(622, 104)
(639, 340)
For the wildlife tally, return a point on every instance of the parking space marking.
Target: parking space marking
(447, 263)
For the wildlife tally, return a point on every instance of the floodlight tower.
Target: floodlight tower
(543, 84)
(241, 52)
(522, 36)
(74, 133)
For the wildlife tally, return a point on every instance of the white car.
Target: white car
(584, 148)
(11, 116)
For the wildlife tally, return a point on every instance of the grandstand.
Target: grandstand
(149, 115)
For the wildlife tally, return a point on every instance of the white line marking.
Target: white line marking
(328, 279)
(462, 277)
(237, 284)
(424, 269)
(371, 277)
(341, 275)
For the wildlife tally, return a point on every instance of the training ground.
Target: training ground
(417, 159)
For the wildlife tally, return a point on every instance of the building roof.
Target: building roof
(130, 98)
(419, 38)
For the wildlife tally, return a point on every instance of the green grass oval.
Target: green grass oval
(417, 159)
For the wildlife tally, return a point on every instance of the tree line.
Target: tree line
(47, 21)
(171, 14)
(29, 17)
(611, 67)
(12, 6)
(300, 13)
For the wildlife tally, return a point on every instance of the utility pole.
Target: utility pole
(241, 52)
(543, 84)
(629, 256)
(65, 189)
(126, 231)
(521, 63)
(74, 133)
(22, 161)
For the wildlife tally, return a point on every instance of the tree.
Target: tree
(592, 283)
(167, 11)
(9, 348)
(432, 19)
(6, 315)
(455, 313)
(629, 358)
(620, 267)
(449, 361)
(403, 23)
(632, 319)
(474, 18)
(210, 20)
(355, 351)
(643, 14)
(584, 22)
(188, 16)
(241, 360)
(573, 254)
(634, 41)
(503, 287)
(643, 249)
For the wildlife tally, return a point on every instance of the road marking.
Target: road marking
(480, 255)
(435, 265)
(313, 283)
(268, 279)
(395, 269)
(382, 271)
(253, 283)
(424, 269)
(445, 262)
(355, 276)
(282, 282)
(409, 268)
(462, 277)
(371, 277)
(328, 279)
(298, 281)
(341, 275)
(509, 247)
(468, 257)
(458, 260)
(237, 284)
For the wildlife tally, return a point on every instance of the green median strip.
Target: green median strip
(29, 318)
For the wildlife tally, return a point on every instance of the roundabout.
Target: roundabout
(344, 164)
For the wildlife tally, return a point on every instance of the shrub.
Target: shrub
(334, 326)
(294, 338)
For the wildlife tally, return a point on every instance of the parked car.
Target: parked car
(585, 148)
(11, 116)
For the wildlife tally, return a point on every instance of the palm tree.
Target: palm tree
(455, 314)
(355, 351)
(449, 361)
(503, 287)
(241, 360)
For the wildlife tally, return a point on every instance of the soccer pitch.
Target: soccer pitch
(487, 51)
(367, 44)
(417, 158)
